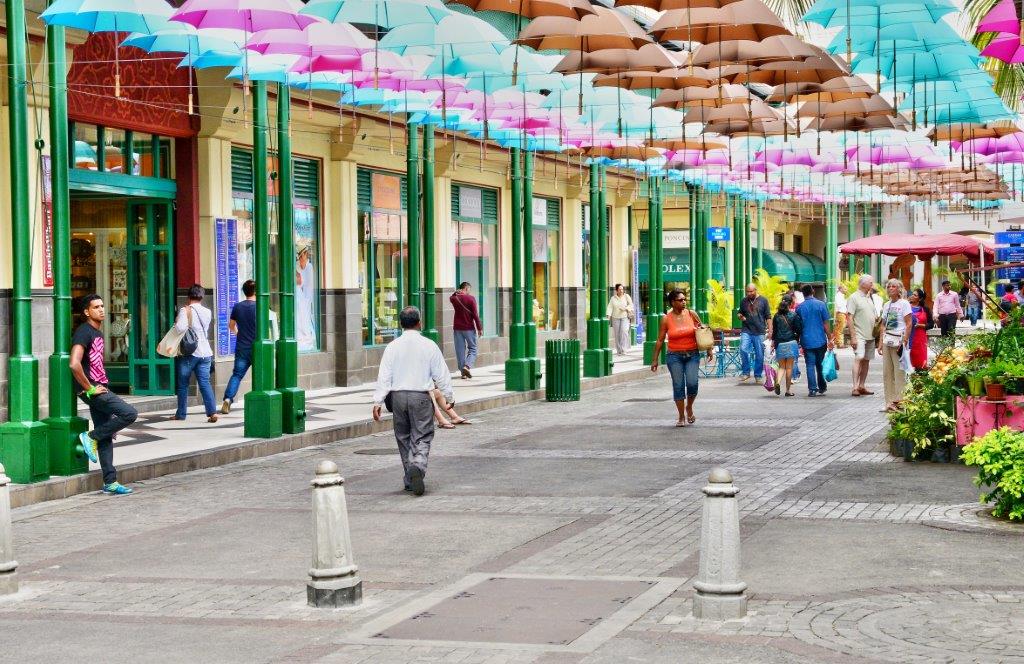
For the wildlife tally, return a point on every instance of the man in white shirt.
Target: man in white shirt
(410, 368)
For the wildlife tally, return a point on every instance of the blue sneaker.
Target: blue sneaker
(88, 446)
(116, 489)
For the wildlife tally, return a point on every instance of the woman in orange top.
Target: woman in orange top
(683, 358)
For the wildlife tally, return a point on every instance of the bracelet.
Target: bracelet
(91, 391)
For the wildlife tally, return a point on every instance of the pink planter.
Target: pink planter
(976, 416)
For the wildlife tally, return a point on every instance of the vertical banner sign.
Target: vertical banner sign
(1010, 249)
(635, 293)
(46, 184)
(227, 281)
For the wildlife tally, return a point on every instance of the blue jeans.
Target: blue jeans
(243, 360)
(751, 345)
(974, 313)
(683, 366)
(815, 373)
(465, 348)
(200, 366)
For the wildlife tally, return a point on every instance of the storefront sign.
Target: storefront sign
(719, 234)
(386, 191)
(675, 239)
(46, 184)
(227, 281)
(1009, 237)
(540, 212)
(470, 203)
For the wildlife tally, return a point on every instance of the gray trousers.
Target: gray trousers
(465, 348)
(414, 427)
(620, 329)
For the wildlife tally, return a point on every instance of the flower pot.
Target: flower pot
(995, 391)
(975, 386)
(901, 447)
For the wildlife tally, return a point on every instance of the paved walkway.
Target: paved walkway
(550, 534)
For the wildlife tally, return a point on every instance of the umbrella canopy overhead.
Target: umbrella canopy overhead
(924, 247)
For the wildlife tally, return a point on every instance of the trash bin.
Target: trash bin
(562, 370)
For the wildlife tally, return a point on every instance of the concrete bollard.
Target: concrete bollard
(720, 595)
(334, 580)
(8, 565)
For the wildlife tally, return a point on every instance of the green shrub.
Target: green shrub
(719, 306)
(999, 455)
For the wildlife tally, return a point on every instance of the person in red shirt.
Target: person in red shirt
(467, 326)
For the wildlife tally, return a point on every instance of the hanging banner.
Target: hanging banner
(46, 184)
(306, 280)
(227, 281)
(540, 212)
(386, 191)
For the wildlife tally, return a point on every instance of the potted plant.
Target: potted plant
(976, 384)
(999, 455)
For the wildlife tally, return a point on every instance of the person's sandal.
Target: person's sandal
(446, 425)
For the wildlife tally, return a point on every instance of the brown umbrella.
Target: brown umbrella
(871, 123)
(664, 5)
(531, 8)
(666, 79)
(849, 108)
(755, 109)
(639, 152)
(715, 96)
(762, 127)
(965, 132)
(780, 47)
(745, 19)
(677, 145)
(601, 30)
(649, 57)
(785, 72)
(836, 89)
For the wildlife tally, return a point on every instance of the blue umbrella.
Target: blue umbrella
(386, 14)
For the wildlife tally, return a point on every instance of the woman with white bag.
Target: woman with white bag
(894, 349)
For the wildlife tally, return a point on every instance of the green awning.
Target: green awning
(805, 272)
(820, 271)
(778, 264)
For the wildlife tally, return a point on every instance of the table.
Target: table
(976, 416)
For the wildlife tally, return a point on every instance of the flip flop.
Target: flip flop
(691, 419)
(680, 423)
(462, 421)
(449, 425)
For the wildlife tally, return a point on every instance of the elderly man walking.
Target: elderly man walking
(410, 368)
(863, 309)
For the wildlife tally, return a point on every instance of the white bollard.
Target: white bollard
(334, 580)
(8, 565)
(720, 595)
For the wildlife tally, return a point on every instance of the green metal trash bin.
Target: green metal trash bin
(562, 371)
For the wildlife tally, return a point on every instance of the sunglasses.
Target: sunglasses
(679, 299)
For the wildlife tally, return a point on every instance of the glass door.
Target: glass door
(150, 296)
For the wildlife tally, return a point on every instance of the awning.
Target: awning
(778, 264)
(923, 246)
(820, 270)
(805, 272)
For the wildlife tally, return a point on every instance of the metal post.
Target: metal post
(293, 399)
(656, 293)
(530, 325)
(605, 326)
(517, 367)
(429, 239)
(760, 235)
(63, 424)
(334, 576)
(593, 356)
(831, 233)
(263, 405)
(708, 257)
(737, 261)
(878, 257)
(412, 175)
(691, 200)
(23, 439)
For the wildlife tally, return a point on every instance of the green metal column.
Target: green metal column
(24, 443)
(429, 239)
(707, 255)
(656, 290)
(263, 405)
(691, 201)
(877, 213)
(412, 178)
(293, 399)
(529, 325)
(602, 194)
(697, 248)
(737, 261)
(517, 367)
(748, 258)
(593, 356)
(63, 423)
(865, 232)
(830, 211)
(759, 262)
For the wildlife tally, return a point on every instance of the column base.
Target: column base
(263, 414)
(649, 353)
(8, 583)
(65, 453)
(293, 409)
(519, 375)
(333, 598)
(25, 451)
(595, 363)
(719, 607)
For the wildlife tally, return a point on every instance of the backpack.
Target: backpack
(190, 340)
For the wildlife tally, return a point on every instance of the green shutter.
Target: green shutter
(241, 171)
(554, 212)
(489, 205)
(306, 178)
(456, 209)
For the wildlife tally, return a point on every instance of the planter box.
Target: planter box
(976, 416)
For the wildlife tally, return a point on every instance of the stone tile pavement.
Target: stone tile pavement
(849, 554)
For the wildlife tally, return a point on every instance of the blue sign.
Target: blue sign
(227, 281)
(1010, 237)
(716, 234)
(1011, 254)
(1014, 273)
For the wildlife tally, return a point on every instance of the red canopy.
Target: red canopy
(922, 246)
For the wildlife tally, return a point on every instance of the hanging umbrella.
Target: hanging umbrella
(1003, 17)
(745, 19)
(743, 51)
(1007, 47)
(666, 5)
(665, 79)
(249, 15)
(575, 9)
(715, 96)
(649, 57)
(601, 30)
(385, 14)
(109, 16)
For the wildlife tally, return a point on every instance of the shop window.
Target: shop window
(86, 145)
(123, 152)
(780, 241)
(383, 252)
(798, 244)
(306, 210)
(546, 215)
(475, 229)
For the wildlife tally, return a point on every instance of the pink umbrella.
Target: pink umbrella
(829, 167)
(887, 154)
(1004, 158)
(1005, 46)
(988, 146)
(316, 39)
(922, 246)
(248, 15)
(794, 157)
(699, 159)
(1001, 18)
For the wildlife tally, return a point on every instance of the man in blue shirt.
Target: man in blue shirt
(243, 324)
(815, 339)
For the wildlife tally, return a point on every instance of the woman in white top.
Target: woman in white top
(620, 310)
(896, 327)
(196, 317)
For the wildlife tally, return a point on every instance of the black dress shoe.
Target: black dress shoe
(416, 481)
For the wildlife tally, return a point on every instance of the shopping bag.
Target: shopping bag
(769, 378)
(828, 367)
(170, 345)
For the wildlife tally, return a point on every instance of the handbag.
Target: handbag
(189, 343)
(770, 377)
(828, 367)
(705, 336)
(170, 344)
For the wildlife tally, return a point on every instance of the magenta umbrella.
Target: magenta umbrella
(1004, 158)
(1001, 18)
(989, 146)
(316, 39)
(887, 154)
(249, 15)
(699, 158)
(795, 157)
(1005, 46)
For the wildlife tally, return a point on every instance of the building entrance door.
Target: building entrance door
(150, 296)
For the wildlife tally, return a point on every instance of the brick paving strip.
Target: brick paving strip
(597, 492)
